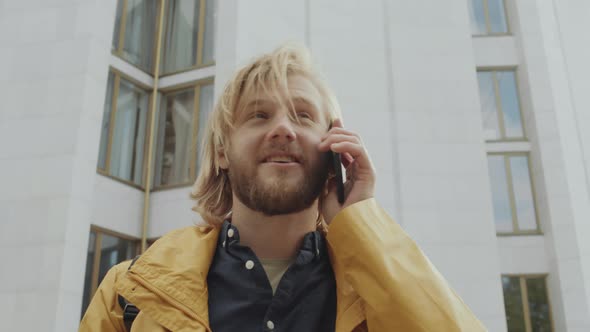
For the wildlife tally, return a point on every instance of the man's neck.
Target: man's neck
(273, 237)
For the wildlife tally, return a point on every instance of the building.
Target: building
(475, 113)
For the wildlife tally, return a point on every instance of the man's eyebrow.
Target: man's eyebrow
(306, 101)
(256, 102)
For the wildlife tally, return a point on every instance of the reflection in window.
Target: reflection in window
(500, 106)
(104, 251)
(523, 195)
(513, 304)
(122, 142)
(189, 31)
(129, 133)
(106, 123)
(135, 31)
(117, 30)
(487, 97)
(512, 194)
(477, 15)
(500, 196)
(487, 17)
(176, 157)
(497, 16)
(536, 303)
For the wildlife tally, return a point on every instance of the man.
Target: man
(280, 252)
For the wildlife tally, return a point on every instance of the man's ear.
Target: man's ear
(222, 160)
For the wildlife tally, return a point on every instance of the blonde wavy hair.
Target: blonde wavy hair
(270, 72)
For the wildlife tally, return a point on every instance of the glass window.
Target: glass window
(509, 103)
(135, 31)
(189, 30)
(176, 136)
(123, 134)
(129, 133)
(532, 314)
(497, 16)
(500, 106)
(140, 24)
(209, 35)
(487, 17)
(538, 304)
(176, 157)
(513, 304)
(117, 30)
(500, 196)
(489, 109)
(512, 194)
(523, 195)
(104, 251)
(478, 18)
(106, 123)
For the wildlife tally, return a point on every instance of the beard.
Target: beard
(280, 196)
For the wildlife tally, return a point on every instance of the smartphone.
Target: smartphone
(337, 164)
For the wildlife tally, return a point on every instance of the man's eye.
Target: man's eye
(304, 115)
(259, 115)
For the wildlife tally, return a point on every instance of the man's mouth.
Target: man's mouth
(281, 159)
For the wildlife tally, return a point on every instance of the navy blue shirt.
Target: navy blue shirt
(241, 297)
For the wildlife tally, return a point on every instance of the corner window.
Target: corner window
(105, 249)
(181, 124)
(124, 127)
(135, 31)
(188, 32)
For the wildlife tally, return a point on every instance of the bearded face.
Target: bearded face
(281, 181)
(273, 161)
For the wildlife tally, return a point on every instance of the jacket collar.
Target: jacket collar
(173, 273)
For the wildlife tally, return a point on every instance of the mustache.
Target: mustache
(274, 149)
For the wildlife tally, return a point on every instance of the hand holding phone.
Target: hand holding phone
(345, 149)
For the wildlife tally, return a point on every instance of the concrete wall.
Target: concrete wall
(53, 60)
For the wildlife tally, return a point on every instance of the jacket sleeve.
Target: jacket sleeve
(400, 288)
(104, 312)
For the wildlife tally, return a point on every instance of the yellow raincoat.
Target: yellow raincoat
(384, 281)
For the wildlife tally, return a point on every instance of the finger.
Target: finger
(337, 123)
(357, 152)
(337, 138)
(346, 159)
(340, 131)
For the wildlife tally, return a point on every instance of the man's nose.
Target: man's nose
(283, 129)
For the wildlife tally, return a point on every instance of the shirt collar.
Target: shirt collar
(312, 248)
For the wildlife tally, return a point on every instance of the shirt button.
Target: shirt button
(230, 233)
(249, 264)
(270, 325)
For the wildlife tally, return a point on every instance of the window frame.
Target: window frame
(499, 111)
(525, 298)
(200, 41)
(118, 52)
(100, 231)
(486, 13)
(117, 75)
(510, 184)
(196, 86)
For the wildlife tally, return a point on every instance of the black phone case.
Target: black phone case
(337, 163)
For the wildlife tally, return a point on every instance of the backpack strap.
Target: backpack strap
(130, 311)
